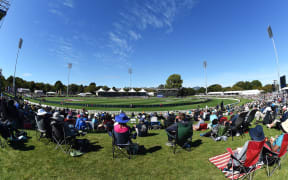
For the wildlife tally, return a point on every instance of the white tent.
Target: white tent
(122, 90)
(51, 93)
(111, 90)
(132, 90)
(251, 92)
(143, 90)
(100, 90)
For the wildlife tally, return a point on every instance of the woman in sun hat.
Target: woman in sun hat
(122, 132)
(121, 126)
(43, 122)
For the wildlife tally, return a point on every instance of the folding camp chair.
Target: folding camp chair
(40, 130)
(133, 121)
(183, 136)
(249, 118)
(155, 124)
(121, 144)
(247, 167)
(203, 126)
(63, 140)
(238, 126)
(267, 118)
(274, 158)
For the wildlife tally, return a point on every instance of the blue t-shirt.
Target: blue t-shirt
(278, 141)
(212, 117)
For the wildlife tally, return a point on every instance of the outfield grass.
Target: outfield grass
(41, 161)
(135, 101)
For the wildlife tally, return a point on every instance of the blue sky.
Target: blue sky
(156, 38)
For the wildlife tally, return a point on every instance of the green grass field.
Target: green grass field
(135, 101)
(40, 161)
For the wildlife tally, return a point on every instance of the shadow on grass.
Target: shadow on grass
(143, 151)
(21, 147)
(93, 147)
(196, 143)
(151, 134)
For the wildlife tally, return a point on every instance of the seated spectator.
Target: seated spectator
(94, 122)
(141, 128)
(213, 116)
(107, 123)
(275, 143)
(44, 122)
(256, 134)
(197, 126)
(123, 132)
(173, 128)
(283, 118)
(170, 120)
(80, 123)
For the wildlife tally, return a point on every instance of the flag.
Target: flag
(270, 32)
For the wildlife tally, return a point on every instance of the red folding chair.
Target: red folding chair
(247, 168)
(222, 120)
(274, 158)
(203, 126)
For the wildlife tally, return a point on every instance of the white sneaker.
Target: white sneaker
(169, 144)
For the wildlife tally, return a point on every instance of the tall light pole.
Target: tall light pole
(69, 68)
(205, 69)
(0, 82)
(270, 33)
(130, 72)
(19, 47)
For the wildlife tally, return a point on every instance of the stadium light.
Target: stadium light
(130, 72)
(270, 33)
(0, 82)
(69, 68)
(19, 47)
(205, 69)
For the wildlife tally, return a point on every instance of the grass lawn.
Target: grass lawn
(135, 101)
(40, 161)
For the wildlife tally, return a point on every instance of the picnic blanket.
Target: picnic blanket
(221, 161)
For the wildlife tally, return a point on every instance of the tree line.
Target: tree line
(173, 81)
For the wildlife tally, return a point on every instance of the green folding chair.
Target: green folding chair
(183, 136)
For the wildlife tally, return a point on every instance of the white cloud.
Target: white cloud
(26, 74)
(140, 16)
(135, 36)
(63, 49)
(69, 3)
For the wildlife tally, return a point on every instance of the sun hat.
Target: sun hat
(122, 118)
(41, 112)
(257, 133)
(284, 126)
(57, 116)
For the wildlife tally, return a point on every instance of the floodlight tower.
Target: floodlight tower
(19, 47)
(4, 6)
(205, 69)
(270, 33)
(69, 69)
(0, 82)
(130, 72)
